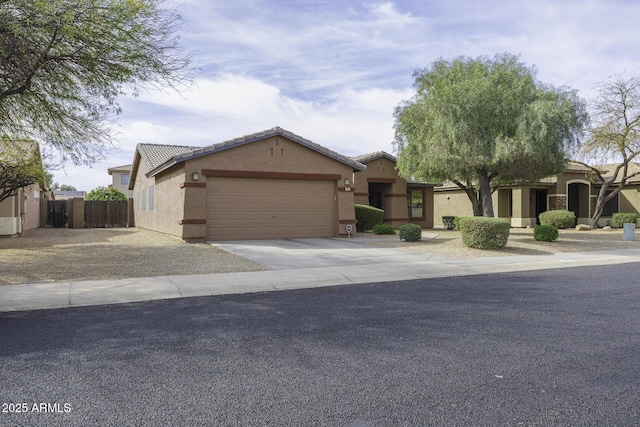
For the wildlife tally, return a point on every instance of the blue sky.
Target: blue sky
(334, 71)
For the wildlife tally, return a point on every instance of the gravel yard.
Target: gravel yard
(448, 244)
(55, 254)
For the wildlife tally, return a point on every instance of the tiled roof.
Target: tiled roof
(119, 168)
(364, 158)
(155, 155)
(166, 156)
(607, 171)
(575, 166)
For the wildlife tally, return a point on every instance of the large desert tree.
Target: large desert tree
(484, 122)
(614, 136)
(64, 63)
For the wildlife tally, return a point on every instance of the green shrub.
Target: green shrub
(558, 219)
(621, 218)
(410, 232)
(447, 221)
(456, 223)
(545, 233)
(368, 217)
(106, 194)
(383, 229)
(484, 233)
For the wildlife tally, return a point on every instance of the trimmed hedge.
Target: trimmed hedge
(368, 217)
(558, 219)
(410, 232)
(484, 233)
(623, 217)
(545, 233)
(383, 229)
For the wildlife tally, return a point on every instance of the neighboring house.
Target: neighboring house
(22, 211)
(522, 204)
(120, 179)
(380, 186)
(64, 195)
(270, 184)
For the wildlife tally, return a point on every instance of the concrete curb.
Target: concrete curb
(87, 293)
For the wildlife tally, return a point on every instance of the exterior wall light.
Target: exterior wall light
(347, 182)
(195, 176)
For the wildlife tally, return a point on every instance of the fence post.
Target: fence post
(77, 212)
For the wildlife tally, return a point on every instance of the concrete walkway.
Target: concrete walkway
(296, 265)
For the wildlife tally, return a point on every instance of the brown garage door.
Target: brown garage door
(247, 208)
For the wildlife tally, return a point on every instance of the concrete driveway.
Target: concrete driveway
(288, 254)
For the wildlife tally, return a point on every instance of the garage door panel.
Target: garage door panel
(245, 208)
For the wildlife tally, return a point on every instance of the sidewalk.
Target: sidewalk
(86, 293)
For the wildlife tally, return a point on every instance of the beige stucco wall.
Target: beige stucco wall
(450, 203)
(279, 155)
(168, 200)
(630, 199)
(21, 212)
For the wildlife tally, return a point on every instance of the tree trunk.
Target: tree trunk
(485, 195)
(476, 202)
(477, 206)
(600, 202)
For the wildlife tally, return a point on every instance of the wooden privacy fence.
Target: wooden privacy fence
(99, 214)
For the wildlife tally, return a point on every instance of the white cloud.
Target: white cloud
(334, 71)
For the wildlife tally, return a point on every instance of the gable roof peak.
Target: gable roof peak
(363, 158)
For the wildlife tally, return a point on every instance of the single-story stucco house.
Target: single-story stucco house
(22, 211)
(270, 184)
(380, 186)
(575, 190)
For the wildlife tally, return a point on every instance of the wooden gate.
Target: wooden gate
(57, 213)
(99, 214)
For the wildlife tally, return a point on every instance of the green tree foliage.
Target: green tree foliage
(63, 64)
(65, 187)
(482, 122)
(106, 194)
(20, 166)
(615, 135)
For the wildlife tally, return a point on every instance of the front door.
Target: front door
(375, 198)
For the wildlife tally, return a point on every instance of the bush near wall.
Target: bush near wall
(368, 217)
(545, 233)
(558, 218)
(620, 218)
(447, 221)
(410, 232)
(456, 223)
(484, 233)
(383, 229)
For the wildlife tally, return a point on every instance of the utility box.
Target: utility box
(628, 231)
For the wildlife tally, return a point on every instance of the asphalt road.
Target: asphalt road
(555, 347)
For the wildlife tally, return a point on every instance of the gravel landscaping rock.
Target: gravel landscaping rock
(448, 244)
(54, 254)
